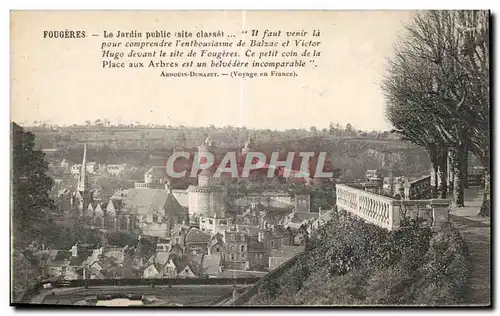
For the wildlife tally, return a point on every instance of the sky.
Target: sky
(62, 81)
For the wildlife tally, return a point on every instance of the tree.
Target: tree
(313, 130)
(331, 129)
(446, 53)
(30, 187)
(350, 131)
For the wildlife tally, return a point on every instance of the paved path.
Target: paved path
(477, 234)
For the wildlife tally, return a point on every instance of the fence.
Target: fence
(153, 282)
(386, 212)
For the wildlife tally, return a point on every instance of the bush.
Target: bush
(351, 262)
(445, 272)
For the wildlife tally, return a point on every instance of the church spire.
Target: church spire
(82, 180)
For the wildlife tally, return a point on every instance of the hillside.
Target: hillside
(350, 262)
(147, 147)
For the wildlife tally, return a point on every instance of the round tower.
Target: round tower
(207, 198)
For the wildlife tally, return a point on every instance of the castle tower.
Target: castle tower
(208, 197)
(83, 183)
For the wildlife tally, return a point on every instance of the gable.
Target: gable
(186, 271)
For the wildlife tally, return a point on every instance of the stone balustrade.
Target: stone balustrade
(419, 188)
(388, 213)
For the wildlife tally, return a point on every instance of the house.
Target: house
(161, 266)
(151, 212)
(110, 263)
(190, 266)
(115, 170)
(300, 235)
(75, 170)
(196, 241)
(297, 219)
(217, 245)
(236, 249)
(178, 235)
(199, 265)
(68, 264)
(257, 254)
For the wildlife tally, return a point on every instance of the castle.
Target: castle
(153, 207)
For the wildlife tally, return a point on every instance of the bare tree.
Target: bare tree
(447, 52)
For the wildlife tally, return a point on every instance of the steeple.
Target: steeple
(249, 144)
(83, 182)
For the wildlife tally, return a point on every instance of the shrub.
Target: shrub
(352, 262)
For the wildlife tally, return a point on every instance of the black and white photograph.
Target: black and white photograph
(250, 158)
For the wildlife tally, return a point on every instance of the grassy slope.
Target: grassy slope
(355, 263)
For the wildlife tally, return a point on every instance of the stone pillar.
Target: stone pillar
(406, 187)
(394, 215)
(440, 213)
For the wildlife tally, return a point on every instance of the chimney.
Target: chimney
(74, 251)
(261, 237)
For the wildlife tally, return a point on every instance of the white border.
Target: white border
(189, 5)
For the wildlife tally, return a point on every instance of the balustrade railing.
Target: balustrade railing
(420, 188)
(388, 213)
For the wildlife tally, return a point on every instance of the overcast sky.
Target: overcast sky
(62, 80)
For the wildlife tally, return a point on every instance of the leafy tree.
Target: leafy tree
(30, 187)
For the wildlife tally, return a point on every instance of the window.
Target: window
(242, 255)
(232, 256)
(98, 222)
(210, 221)
(272, 243)
(155, 218)
(242, 247)
(176, 240)
(223, 222)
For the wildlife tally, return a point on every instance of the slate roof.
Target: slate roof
(191, 260)
(82, 256)
(145, 201)
(299, 217)
(195, 235)
(211, 264)
(162, 257)
(62, 256)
